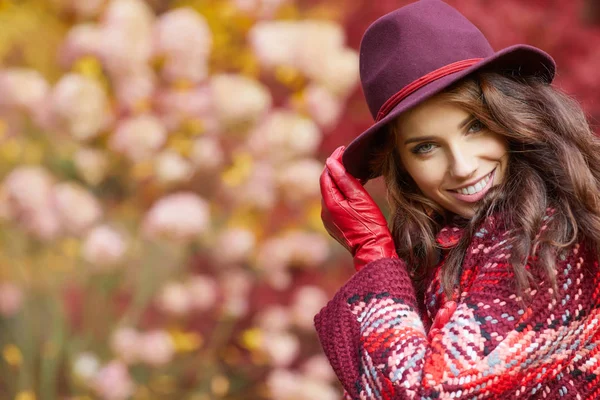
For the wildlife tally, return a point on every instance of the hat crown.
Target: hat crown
(407, 44)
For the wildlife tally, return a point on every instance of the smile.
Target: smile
(476, 191)
(476, 188)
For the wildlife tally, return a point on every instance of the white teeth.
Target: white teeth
(477, 187)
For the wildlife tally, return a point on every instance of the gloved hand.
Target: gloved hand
(351, 216)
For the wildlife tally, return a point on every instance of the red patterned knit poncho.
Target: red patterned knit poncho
(493, 346)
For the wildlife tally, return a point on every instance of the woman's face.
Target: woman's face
(452, 157)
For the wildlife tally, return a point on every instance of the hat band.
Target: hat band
(422, 81)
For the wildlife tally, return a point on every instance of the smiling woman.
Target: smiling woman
(487, 284)
(449, 154)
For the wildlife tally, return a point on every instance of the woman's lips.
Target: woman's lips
(472, 198)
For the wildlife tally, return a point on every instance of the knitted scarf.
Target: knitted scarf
(494, 345)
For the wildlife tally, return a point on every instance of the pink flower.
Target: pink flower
(134, 90)
(261, 8)
(174, 298)
(281, 348)
(126, 44)
(44, 224)
(28, 189)
(285, 135)
(236, 285)
(92, 164)
(139, 138)
(318, 368)
(171, 167)
(324, 108)
(275, 318)
(202, 291)
(176, 106)
(77, 208)
(308, 301)
(283, 384)
(183, 38)
(113, 382)
(294, 248)
(28, 200)
(181, 216)
(258, 189)
(315, 48)
(299, 180)
(337, 71)
(239, 243)
(80, 105)
(11, 299)
(82, 40)
(294, 43)
(307, 249)
(22, 89)
(207, 154)
(156, 348)
(288, 385)
(86, 366)
(252, 100)
(104, 247)
(275, 42)
(124, 343)
(273, 257)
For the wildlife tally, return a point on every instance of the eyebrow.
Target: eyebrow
(461, 125)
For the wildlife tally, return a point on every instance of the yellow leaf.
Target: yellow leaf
(194, 126)
(10, 150)
(180, 144)
(142, 170)
(88, 66)
(3, 128)
(289, 76)
(219, 385)
(313, 216)
(186, 341)
(252, 338)
(70, 247)
(239, 171)
(33, 153)
(26, 395)
(12, 355)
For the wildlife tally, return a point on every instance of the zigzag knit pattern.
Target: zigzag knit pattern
(495, 345)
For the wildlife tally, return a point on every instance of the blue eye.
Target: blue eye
(423, 148)
(476, 126)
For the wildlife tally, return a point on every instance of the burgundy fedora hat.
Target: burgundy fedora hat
(417, 51)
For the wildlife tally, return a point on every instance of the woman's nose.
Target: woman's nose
(463, 163)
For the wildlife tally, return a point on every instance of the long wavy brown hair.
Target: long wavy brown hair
(554, 161)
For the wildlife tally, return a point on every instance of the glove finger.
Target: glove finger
(329, 190)
(349, 186)
(338, 153)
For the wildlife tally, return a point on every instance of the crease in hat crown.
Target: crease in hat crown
(417, 51)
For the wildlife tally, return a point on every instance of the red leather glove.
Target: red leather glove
(351, 216)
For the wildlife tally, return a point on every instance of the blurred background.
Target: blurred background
(160, 233)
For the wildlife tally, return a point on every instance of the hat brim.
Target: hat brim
(523, 59)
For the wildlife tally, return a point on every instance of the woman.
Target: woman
(488, 284)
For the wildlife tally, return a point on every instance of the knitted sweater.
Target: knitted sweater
(493, 346)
